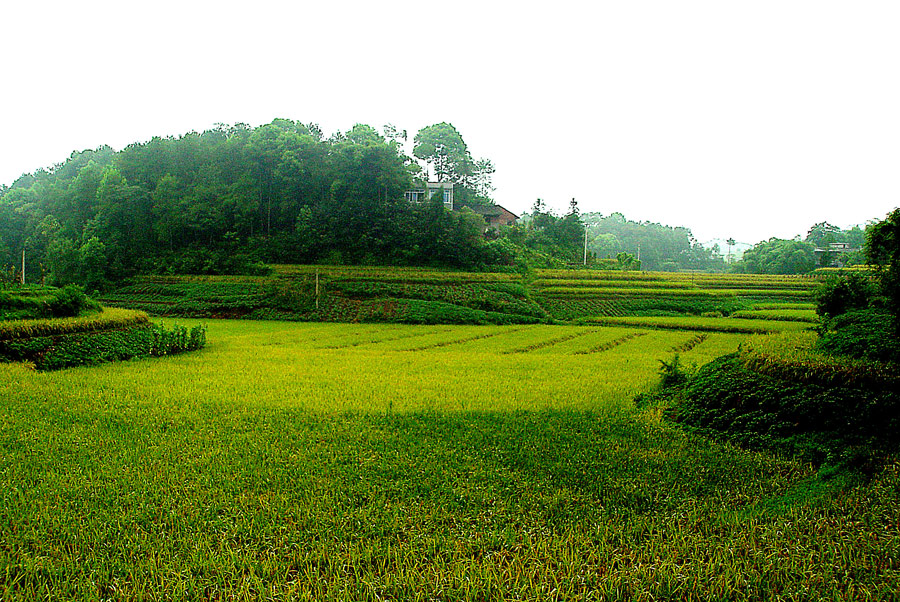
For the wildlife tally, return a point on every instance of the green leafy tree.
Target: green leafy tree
(882, 248)
(778, 256)
(823, 233)
(840, 294)
(63, 262)
(94, 266)
(442, 147)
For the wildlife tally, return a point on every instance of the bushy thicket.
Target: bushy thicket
(847, 422)
(859, 311)
(865, 334)
(839, 424)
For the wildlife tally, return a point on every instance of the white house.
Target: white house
(420, 195)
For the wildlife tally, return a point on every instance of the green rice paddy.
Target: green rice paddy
(298, 461)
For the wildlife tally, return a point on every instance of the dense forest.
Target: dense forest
(232, 196)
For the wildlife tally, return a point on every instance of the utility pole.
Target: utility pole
(23, 265)
(585, 245)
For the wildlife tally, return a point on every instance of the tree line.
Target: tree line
(801, 256)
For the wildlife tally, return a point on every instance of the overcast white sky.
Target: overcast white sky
(744, 119)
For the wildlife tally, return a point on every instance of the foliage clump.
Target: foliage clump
(821, 422)
(32, 302)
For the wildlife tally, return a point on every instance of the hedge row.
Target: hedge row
(574, 308)
(392, 274)
(87, 348)
(413, 311)
(611, 292)
(507, 299)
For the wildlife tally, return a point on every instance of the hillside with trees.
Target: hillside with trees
(222, 200)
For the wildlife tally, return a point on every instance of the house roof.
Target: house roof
(491, 210)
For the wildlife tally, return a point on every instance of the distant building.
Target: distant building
(832, 255)
(495, 216)
(420, 195)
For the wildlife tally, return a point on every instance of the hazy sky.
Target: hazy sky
(744, 119)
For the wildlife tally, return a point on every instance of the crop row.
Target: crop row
(568, 308)
(459, 341)
(567, 291)
(801, 285)
(611, 344)
(563, 308)
(549, 342)
(109, 319)
(784, 305)
(670, 276)
(391, 274)
(502, 340)
(379, 337)
(94, 347)
(598, 275)
(702, 324)
(544, 283)
(509, 299)
(641, 284)
(690, 344)
(789, 315)
(794, 356)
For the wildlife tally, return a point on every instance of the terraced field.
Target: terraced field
(460, 436)
(580, 294)
(421, 296)
(318, 461)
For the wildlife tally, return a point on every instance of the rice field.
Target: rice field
(312, 461)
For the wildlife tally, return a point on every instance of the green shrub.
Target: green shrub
(820, 422)
(866, 334)
(840, 294)
(45, 302)
(70, 301)
(673, 373)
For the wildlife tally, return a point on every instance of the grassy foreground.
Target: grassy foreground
(364, 462)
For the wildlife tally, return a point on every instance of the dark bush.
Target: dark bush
(866, 334)
(819, 422)
(840, 294)
(70, 301)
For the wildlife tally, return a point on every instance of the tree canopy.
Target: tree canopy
(225, 198)
(444, 151)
